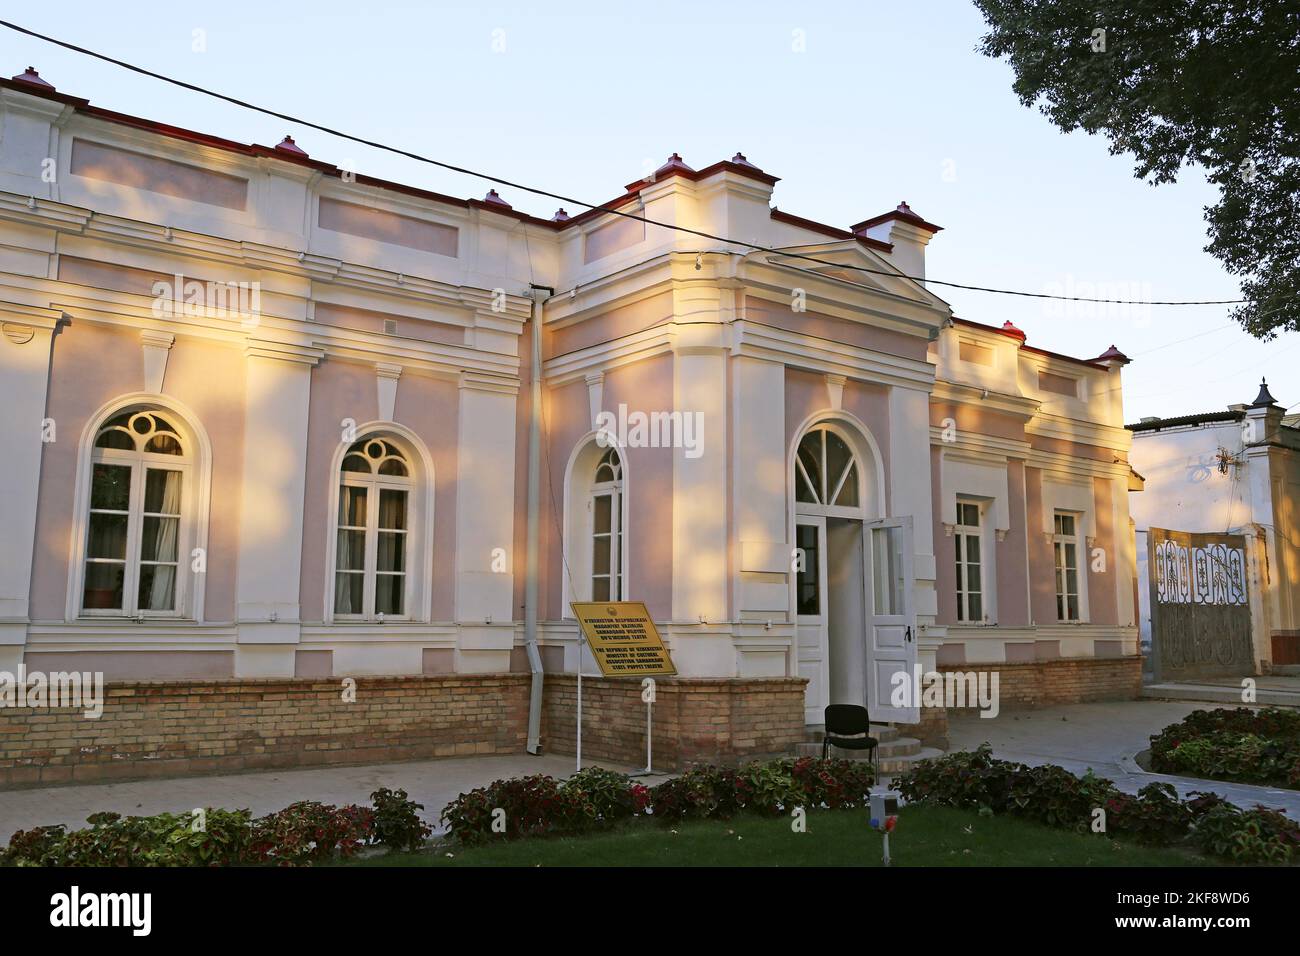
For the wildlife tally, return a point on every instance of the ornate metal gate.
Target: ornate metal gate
(1200, 605)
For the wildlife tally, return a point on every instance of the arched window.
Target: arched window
(138, 523)
(827, 473)
(607, 528)
(372, 551)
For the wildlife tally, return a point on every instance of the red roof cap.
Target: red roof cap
(496, 200)
(30, 76)
(1009, 329)
(1113, 354)
(903, 213)
(287, 145)
(560, 215)
(675, 164)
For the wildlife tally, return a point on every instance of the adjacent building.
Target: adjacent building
(1233, 472)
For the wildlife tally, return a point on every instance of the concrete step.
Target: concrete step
(813, 733)
(1219, 693)
(896, 747)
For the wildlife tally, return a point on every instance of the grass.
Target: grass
(926, 836)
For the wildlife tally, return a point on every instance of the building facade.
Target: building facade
(268, 419)
(1235, 471)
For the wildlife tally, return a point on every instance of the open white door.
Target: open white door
(810, 615)
(891, 636)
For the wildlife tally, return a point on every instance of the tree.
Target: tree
(1214, 83)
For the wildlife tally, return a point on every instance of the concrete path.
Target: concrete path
(1104, 737)
(1278, 690)
(434, 783)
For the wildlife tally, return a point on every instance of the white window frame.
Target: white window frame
(418, 602)
(192, 530)
(1059, 586)
(614, 491)
(580, 491)
(962, 534)
(374, 484)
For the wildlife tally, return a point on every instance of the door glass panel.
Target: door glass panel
(808, 584)
(887, 569)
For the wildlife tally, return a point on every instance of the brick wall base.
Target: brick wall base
(178, 728)
(1025, 686)
(174, 728)
(696, 720)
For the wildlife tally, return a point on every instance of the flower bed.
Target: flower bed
(596, 799)
(1053, 796)
(1238, 744)
(300, 834)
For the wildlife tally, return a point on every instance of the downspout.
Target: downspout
(532, 558)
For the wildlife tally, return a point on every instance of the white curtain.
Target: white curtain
(162, 594)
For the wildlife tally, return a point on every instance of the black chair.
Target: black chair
(848, 726)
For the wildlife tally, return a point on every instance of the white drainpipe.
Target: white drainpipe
(532, 558)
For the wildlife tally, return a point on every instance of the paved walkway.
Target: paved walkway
(434, 783)
(1104, 737)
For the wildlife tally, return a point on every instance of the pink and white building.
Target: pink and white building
(266, 418)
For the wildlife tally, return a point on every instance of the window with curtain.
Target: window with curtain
(607, 529)
(139, 473)
(968, 538)
(1065, 544)
(372, 549)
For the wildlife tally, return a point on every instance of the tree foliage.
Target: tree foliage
(1214, 83)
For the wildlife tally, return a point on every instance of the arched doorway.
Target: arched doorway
(852, 589)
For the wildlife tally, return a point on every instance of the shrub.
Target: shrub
(530, 806)
(38, 846)
(1232, 744)
(1260, 835)
(832, 784)
(165, 839)
(700, 793)
(602, 797)
(308, 832)
(768, 788)
(397, 823)
(1155, 816)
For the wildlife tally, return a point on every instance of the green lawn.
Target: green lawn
(926, 836)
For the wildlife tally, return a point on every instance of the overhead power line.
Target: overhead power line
(418, 157)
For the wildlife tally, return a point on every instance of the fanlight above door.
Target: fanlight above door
(826, 470)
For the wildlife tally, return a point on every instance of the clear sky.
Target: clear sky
(856, 105)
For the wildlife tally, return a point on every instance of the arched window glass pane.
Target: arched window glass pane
(163, 445)
(848, 496)
(809, 488)
(115, 438)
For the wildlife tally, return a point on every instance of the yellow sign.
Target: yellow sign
(623, 639)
